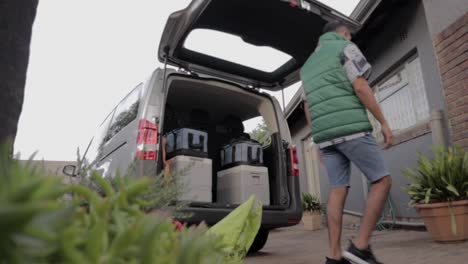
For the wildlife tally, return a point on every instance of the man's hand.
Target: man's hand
(388, 135)
(365, 94)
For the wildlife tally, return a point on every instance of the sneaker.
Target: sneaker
(359, 256)
(334, 261)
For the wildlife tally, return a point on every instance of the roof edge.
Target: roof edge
(364, 9)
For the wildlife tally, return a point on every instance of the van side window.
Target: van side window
(125, 112)
(95, 149)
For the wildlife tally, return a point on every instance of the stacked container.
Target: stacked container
(243, 173)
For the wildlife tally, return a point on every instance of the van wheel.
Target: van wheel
(260, 241)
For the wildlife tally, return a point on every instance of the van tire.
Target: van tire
(260, 241)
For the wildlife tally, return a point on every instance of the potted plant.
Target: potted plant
(439, 192)
(312, 209)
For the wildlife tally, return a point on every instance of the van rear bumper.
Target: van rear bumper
(270, 219)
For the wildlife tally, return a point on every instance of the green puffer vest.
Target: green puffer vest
(335, 110)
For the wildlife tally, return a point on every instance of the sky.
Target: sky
(85, 57)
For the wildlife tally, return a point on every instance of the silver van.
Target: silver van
(192, 79)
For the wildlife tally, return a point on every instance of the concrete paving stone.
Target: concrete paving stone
(298, 246)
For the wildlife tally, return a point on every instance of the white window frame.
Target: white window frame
(412, 96)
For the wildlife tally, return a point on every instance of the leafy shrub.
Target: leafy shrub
(441, 179)
(44, 221)
(311, 203)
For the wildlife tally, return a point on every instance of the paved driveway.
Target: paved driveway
(297, 246)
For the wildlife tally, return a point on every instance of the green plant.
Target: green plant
(441, 179)
(311, 203)
(159, 196)
(261, 134)
(44, 221)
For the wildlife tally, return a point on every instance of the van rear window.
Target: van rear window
(125, 112)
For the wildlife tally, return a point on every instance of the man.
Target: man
(334, 81)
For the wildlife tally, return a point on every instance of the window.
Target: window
(125, 112)
(97, 143)
(258, 130)
(402, 96)
(221, 45)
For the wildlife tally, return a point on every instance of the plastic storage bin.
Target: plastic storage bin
(187, 142)
(195, 175)
(235, 185)
(242, 152)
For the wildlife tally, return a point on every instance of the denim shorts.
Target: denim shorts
(364, 152)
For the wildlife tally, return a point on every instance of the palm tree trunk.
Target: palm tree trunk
(16, 21)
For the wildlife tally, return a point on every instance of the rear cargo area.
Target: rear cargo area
(208, 144)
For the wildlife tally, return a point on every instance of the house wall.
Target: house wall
(451, 48)
(442, 13)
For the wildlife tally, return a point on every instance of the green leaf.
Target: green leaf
(428, 196)
(97, 241)
(103, 184)
(453, 190)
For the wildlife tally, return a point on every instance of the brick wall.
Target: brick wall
(451, 47)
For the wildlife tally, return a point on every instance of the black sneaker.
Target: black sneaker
(358, 256)
(334, 261)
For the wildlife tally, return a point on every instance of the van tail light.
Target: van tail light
(147, 141)
(294, 162)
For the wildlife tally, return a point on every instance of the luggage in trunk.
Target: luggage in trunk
(195, 175)
(242, 152)
(187, 142)
(235, 185)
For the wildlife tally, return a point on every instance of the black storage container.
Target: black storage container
(242, 152)
(187, 142)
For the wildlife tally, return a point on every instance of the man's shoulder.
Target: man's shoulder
(352, 51)
(355, 63)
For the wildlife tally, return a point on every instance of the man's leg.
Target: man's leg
(366, 154)
(338, 169)
(336, 201)
(375, 204)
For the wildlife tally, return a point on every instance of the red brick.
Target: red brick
(456, 45)
(451, 106)
(455, 79)
(454, 97)
(456, 70)
(454, 63)
(451, 53)
(463, 143)
(438, 39)
(457, 103)
(452, 89)
(458, 111)
(457, 129)
(461, 135)
(452, 38)
(460, 119)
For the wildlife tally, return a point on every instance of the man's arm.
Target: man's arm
(365, 94)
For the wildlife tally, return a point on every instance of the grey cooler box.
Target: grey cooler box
(242, 152)
(235, 185)
(187, 142)
(195, 176)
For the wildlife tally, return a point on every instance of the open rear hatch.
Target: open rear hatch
(291, 27)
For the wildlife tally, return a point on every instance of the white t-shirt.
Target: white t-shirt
(355, 64)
